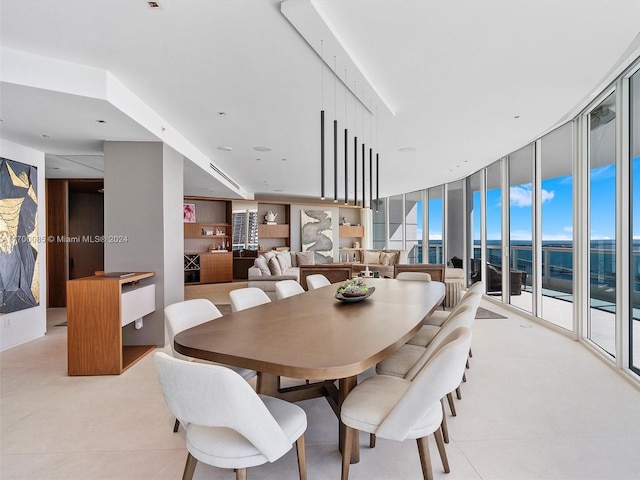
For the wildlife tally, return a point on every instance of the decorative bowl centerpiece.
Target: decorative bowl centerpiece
(353, 290)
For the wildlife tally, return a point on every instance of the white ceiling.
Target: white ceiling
(454, 74)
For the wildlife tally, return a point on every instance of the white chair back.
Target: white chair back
(288, 288)
(183, 315)
(439, 376)
(214, 396)
(462, 317)
(243, 298)
(317, 280)
(416, 276)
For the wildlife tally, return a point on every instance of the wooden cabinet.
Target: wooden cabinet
(273, 231)
(97, 309)
(356, 231)
(216, 267)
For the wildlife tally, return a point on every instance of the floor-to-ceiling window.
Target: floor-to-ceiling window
(413, 226)
(454, 244)
(379, 222)
(602, 224)
(474, 226)
(634, 281)
(435, 225)
(521, 228)
(556, 159)
(493, 227)
(396, 219)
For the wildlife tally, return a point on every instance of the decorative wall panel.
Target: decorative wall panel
(316, 234)
(19, 240)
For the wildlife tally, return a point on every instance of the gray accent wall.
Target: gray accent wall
(143, 196)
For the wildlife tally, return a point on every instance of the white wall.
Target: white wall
(25, 325)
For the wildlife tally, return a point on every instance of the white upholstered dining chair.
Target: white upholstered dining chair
(288, 288)
(416, 276)
(317, 280)
(400, 409)
(228, 424)
(243, 298)
(181, 316)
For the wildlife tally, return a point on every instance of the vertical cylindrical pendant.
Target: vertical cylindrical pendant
(371, 178)
(355, 171)
(322, 154)
(364, 196)
(377, 180)
(335, 161)
(346, 167)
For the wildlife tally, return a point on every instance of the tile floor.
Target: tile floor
(537, 405)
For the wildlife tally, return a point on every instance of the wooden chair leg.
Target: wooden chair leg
(443, 452)
(176, 426)
(458, 392)
(443, 424)
(241, 474)
(452, 406)
(372, 440)
(346, 451)
(425, 458)
(189, 467)
(302, 458)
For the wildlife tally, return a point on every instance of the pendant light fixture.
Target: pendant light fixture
(377, 162)
(364, 193)
(335, 133)
(355, 149)
(322, 123)
(370, 161)
(346, 144)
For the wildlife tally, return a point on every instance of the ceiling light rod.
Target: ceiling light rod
(335, 138)
(355, 154)
(346, 145)
(322, 127)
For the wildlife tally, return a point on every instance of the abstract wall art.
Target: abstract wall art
(19, 240)
(316, 234)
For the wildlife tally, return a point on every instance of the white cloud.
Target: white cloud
(568, 229)
(521, 195)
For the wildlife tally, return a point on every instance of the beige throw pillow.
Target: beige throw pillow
(306, 258)
(261, 263)
(274, 266)
(284, 260)
(388, 258)
(371, 257)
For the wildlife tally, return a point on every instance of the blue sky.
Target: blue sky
(557, 208)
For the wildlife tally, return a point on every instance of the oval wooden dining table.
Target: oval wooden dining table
(314, 336)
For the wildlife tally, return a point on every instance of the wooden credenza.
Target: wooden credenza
(97, 309)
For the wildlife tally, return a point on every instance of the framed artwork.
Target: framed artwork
(316, 234)
(189, 212)
(19, 239)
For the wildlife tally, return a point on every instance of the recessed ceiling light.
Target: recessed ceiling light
(258, 159)
(225, 149)
(262, 149)
(44, 135)
(222, 114)
(278, 190)
(153, 4)
(407, 149)
(516, 116)
(101, 121)
(284, 159)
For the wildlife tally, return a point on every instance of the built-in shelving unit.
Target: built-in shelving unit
(208, 243)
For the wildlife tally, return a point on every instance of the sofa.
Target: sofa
(272, 267)
(381, 261)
